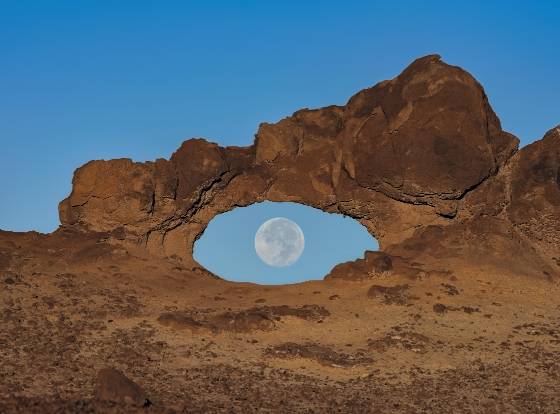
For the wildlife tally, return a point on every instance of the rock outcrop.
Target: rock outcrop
(534, 208)
(421, 161)
(113, 385)
(373, 264)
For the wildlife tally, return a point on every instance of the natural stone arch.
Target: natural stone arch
(421, 157)
(363, 245)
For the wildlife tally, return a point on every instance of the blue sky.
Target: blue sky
(83, 80)
(227, 245)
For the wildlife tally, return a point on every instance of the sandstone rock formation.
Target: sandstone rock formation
(421, 161)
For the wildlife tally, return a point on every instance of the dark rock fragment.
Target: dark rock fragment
(392, 295)
(113, 385)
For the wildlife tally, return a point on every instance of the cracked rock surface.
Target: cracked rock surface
(419, 155)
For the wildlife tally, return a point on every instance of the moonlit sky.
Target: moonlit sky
(227, 246)
(83, 80)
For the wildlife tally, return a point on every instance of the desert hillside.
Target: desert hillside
(458, 312)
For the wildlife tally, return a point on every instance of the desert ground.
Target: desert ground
(438, 342)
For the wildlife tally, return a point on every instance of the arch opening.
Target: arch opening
(240, 246)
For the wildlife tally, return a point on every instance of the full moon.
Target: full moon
(279, 242)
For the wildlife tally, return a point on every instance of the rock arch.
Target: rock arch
(420, 160)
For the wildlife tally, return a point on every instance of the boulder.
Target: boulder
(113, 385)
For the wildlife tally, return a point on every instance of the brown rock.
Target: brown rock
(535, 193)
(440, 308)
(373, 263)
(180, 320)
(319, 353)
(391, 295)
(432, 115)
(420, 160)
(241, 321)
(113, 385)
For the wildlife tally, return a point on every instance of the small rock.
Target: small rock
(440, 308)
(113, 385)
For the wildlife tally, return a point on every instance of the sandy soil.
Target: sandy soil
(460, 340)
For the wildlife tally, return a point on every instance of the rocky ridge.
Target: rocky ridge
(420, 160)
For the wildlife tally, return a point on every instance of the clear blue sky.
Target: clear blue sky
(83, 80)
(227, 245)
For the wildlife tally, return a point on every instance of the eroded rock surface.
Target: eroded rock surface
(420, 152)
(246, 320)
(319, 353)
